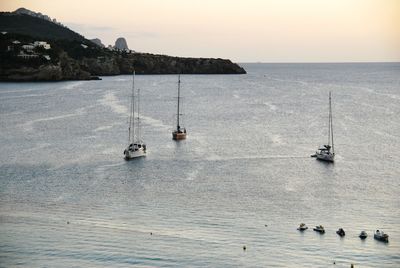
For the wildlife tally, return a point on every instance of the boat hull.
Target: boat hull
(129, 154)
(319, 230)
(326, 157)
(178, 135)
(341, 233)
(363, 235)
(381, 238)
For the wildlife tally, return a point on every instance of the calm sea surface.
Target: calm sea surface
(243, 176)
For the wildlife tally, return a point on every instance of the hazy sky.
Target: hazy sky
(242, 30)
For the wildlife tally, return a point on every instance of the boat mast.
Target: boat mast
(331, 121)
(132, 112)
(179, 92)
(138, 114)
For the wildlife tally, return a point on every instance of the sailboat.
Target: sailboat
(327, 151)
(179, 133)
(136, 147)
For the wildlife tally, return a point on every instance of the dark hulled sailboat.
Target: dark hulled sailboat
(180, 132)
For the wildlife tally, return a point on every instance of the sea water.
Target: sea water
(243, 177)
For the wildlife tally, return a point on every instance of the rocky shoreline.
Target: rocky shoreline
(68, 68)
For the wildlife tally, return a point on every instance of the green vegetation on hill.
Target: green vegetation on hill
(36, 27)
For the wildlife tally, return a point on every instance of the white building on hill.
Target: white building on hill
(28, 48)
(43, 44)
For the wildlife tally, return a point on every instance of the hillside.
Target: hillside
(37, 49)
(36, 27)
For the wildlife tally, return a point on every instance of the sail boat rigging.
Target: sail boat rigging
(179, 133)
(327, 152)
(136, 147)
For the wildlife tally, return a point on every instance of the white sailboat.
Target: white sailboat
(180, 132)
(136, 147)
(327, 151)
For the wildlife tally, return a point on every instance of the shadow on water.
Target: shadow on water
(134, 169)
(325, 163)
(180, 148)
(179, 143)
(326, 170)
(134, 160)
(134, 164)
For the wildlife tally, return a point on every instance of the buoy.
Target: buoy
(244, 247)
(151, 233)
(67, 222)
(266, 225)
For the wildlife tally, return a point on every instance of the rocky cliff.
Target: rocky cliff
(67, 68)
(160, 64)
(121, 44)
(98, 42)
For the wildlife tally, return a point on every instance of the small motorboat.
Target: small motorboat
(319, 229)
(302, 227)
(381, 236)
(363, 235)
(341, 232)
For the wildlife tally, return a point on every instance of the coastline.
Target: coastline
(67, 68)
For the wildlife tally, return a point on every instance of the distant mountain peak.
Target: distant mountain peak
(121, 44)
(26, 11)
(97, 41)
(23, 10)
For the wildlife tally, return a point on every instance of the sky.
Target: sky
(241, 30)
